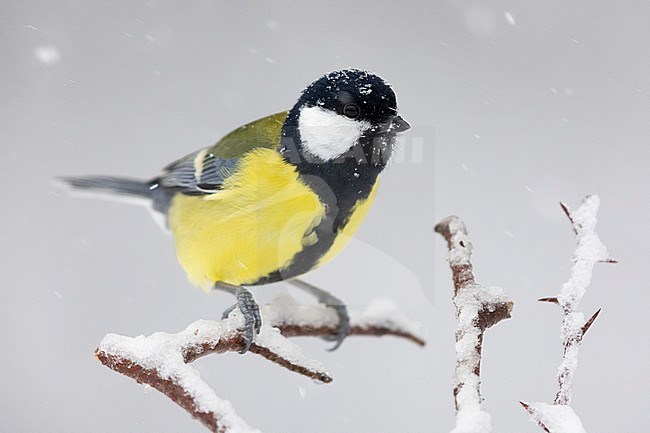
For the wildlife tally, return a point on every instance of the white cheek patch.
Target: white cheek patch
(326, 134)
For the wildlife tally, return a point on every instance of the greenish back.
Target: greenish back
(263, 132)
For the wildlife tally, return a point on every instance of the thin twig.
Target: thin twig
(589, 251)
(477, 308)
(161, 360)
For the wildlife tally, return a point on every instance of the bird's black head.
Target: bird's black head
(347, 114)
(352, 93)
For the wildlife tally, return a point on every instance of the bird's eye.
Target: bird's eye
(351, 110)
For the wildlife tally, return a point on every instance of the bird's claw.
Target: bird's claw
(344, 325)
(252, 319)
(331, 301)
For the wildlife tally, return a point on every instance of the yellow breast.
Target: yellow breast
(254, 226)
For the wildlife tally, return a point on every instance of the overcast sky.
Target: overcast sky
(515, 106)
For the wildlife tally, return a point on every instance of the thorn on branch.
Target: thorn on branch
(567, 212)
(552, 300)
(587, 325)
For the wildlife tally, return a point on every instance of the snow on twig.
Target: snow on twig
(555, 418)
(477, 308)
(161, 360)
(559, 417)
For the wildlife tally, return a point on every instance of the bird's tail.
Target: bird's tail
(114, 185)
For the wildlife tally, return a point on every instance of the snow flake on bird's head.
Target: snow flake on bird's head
(365, 89)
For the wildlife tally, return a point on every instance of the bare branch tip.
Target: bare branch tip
(443, 226)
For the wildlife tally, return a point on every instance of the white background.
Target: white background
(515, 106)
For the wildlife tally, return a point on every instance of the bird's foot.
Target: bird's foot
(333, 302)
(249, 309)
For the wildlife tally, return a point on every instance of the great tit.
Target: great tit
(279, 196)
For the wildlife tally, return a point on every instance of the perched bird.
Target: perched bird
(279, 196)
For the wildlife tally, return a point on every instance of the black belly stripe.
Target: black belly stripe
(339, 186)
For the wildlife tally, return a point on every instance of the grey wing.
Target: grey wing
(199, 173)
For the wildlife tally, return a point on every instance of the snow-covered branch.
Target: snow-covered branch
(161, 360)
(477, 308)
(559, 417)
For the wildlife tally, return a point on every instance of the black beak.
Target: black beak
(399, 125)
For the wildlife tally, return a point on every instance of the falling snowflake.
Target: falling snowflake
(48, 55)
(509, 18)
